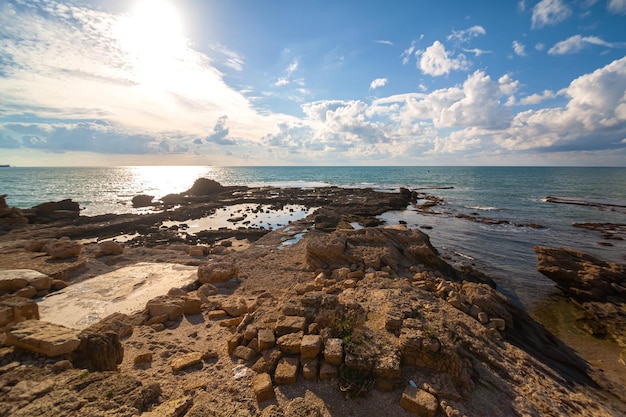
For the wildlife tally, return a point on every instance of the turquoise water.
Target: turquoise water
(516, 194)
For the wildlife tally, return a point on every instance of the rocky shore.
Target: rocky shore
(333, 314)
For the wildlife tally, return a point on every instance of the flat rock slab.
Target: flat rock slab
(41, 337)
(15, 279)
(126, 290)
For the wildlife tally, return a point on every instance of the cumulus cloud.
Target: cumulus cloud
(436, 61)
(617, 6)
(549, 12)
(576, 43)
(594, 116)
(537, 98)
(519, 48)
(220, 133)
(378, 82)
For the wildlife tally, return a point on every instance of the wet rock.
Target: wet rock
(579, 275)
(205, 186)
(142, 200)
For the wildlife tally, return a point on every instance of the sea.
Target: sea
(518, 195)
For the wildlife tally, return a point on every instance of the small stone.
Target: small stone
(266, 338)
(109, 247)
(290, 343)
(497, 323)
(289, 324)
(207, 290)
(233, 342)
(173, 408)
(234, 306)
(27, 292)
(216, 314)
(196, 251)
(262, 387)
(328, 371)
(143, 357)
(310, 346)
(419, 402)
(234, 322)
(483, 317)
(244, 352)
(63, 249)
(287, 371)
(192, 306)
(185, 361)
(157, 327)
(333, 351)
(310, 369)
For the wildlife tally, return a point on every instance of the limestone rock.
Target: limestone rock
(173, 308)
(185, 361)
(207, 290)
(310, 368)
(290, 343)
(14, 309)
(244, 352)
(109, 247)
(310, 346)
(579, 275)
(217, 272)
(301, 407)
(419, 402)
(63, 249)
(176, 407)
(262, 387)
(328, 371)
(234, 306)
(42, 337)
(333, 351)
(12, 280)
(266, 339)
(290, 324)
(100, 351)
(287, 371)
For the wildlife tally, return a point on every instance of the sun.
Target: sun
(152, 37)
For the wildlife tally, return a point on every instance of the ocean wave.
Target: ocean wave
(483, 208)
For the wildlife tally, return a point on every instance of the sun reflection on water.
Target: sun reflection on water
(162, 180)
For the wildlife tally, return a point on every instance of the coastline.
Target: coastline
(280, 260)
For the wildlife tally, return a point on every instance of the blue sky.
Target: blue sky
(207, 82)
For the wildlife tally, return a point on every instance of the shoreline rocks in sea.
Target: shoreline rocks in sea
(597, 286)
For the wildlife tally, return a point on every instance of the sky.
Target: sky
(246, 82)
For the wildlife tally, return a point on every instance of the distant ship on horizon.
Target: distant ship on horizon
(5, 166)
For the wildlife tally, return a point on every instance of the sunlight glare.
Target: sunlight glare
(152, 35)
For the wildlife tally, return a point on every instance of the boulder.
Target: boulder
(262, 387)
(45, 338)
(63, 249)
(12, 280)
(14, 309)
(580, 275)
(216, 272)
(109, 247)
(100, 351)
(142, 200)
(234, 306)
(173, 308)
(205, 186)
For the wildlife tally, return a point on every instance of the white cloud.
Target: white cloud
(476, 51)
(408, 53)
(233, 60)
(540, 46)
(576, 43)
(292, 67)
(378, 82)
(519, 48)
(467, 34)
(71, 62)
(521, 5)
(384, 42)
(436, 61)
(549, 12)
(537, 98)
(617, 6)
